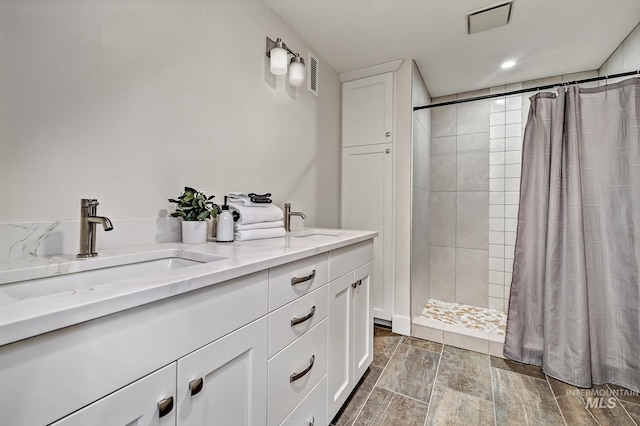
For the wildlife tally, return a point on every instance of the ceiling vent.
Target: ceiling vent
(488, 17)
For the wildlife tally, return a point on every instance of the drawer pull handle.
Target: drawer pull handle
(196, 386)
(312, 422)
(296, 376)
(165, 406)
(298, 280)
(296, 321)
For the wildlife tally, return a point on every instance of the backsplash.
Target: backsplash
(27, 239)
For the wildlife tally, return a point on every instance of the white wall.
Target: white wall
(625, 58)
(129, 101)
(402, 199)
(420, 194)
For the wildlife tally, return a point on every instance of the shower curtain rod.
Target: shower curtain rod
(532, 89)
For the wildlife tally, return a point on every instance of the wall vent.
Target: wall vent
(489, 17)
(313, 74)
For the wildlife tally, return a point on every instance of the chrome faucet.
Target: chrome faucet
(88, 220)
(287, 216)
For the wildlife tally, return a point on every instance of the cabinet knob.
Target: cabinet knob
(387, 151)
(387, 134)
(312, 421)
(354, 285)
(165, 406)
(196, 386)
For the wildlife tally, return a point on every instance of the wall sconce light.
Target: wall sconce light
(277, 51)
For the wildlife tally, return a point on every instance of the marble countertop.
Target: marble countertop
(21, 318)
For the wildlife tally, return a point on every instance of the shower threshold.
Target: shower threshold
(464, 326)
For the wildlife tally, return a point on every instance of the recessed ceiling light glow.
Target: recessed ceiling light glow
(507, 64)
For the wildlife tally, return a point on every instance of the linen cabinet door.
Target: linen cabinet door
(367, 110)
(225, 382)
(366, 200)
(146, 402)
(362, 322)
(339, 369)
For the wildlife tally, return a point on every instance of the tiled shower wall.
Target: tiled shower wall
(459, 202)
(476, 151)
(505, 157)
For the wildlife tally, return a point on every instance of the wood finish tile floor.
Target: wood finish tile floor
(418, 382)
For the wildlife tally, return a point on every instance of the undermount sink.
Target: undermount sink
(86, 274)
(317, 233)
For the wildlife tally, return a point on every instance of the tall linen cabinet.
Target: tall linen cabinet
(367, 176)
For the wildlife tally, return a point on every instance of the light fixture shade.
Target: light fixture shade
(278, 62)
(296, 72)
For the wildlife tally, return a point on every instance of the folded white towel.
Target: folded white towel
(243, 199)
(248, 214)
(259, 225)
(245, 202)
(258, 234)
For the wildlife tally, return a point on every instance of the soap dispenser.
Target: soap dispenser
(224, 229)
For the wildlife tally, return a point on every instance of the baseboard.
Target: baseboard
(382, 323)
(401, 325)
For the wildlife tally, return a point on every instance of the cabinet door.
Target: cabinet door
(367, 184)
(137, 404)
(340, 342)
(225, 382)
(362, 322)
(367, 110)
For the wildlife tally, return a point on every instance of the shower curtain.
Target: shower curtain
(574, 307)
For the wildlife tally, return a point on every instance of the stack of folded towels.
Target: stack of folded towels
(258, 218)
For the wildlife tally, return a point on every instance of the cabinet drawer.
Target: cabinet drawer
(137, 403)
(295, 359)
(307, 274)
(348, 258)
(312, 410)
(306, 311)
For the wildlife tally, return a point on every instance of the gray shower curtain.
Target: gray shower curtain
(574, 307)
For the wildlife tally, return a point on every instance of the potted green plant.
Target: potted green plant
(194, 207)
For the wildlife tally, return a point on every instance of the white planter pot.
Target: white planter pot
(194, 232)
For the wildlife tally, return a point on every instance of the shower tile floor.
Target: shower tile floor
(467, 316)
(419, 382)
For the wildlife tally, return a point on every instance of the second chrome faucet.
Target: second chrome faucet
(287, 216)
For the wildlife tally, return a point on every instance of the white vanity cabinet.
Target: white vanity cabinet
(55, 374)
(350, 322)
(254, 350)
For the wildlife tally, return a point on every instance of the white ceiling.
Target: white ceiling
(545, 37)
